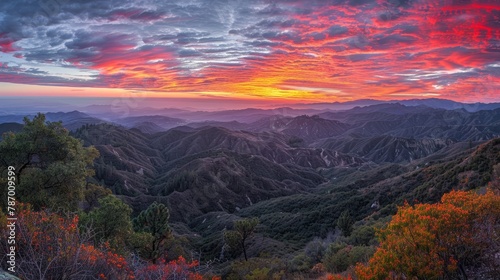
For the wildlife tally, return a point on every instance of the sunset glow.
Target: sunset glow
(301, 51)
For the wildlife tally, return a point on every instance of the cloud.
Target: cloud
(336, 30)
(360, 48)
(34, 76)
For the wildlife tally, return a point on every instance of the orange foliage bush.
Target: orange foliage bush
(442, 240)
(49, 246)
(177, 269)
(337, 277)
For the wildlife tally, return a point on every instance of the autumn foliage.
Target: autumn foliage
(178, 269)
(50, 246)
(439, 241)
(337, 277)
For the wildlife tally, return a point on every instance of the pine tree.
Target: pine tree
(243, 230)
(345, 223)
(154, 220)
(111, 221)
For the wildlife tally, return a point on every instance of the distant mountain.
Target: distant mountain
(148, 127)
(244, 116)
(247, 115)
(13, 118)
(150, 124)
(389, 132)
(71, 120)
(232, 125)
(110, 113)
(122, 110)
(307, 128)
(450, 105)
(419, 122)
(379, 112)
(269, 123)
(9, 127)
(384, 132)
(338, 106)
(430, 102)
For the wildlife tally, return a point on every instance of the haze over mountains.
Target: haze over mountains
(385, 132)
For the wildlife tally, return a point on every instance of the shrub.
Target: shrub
(49, 246)
(442, 240)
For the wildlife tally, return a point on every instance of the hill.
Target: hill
(387, 148)
(374, 194)
(206, 169)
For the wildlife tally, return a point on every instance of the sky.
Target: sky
(252, 50)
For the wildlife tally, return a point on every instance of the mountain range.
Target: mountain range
(225, 166)
(292, 168)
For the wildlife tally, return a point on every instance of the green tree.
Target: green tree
(154, 221)
(111, 221)
(92, 194)
(51, 166)
(243, 230)
(345, 223)
(340, 256)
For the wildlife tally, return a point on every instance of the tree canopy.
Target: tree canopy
(154, 221)
(51, 166)
(111, 221)
(243, 230)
